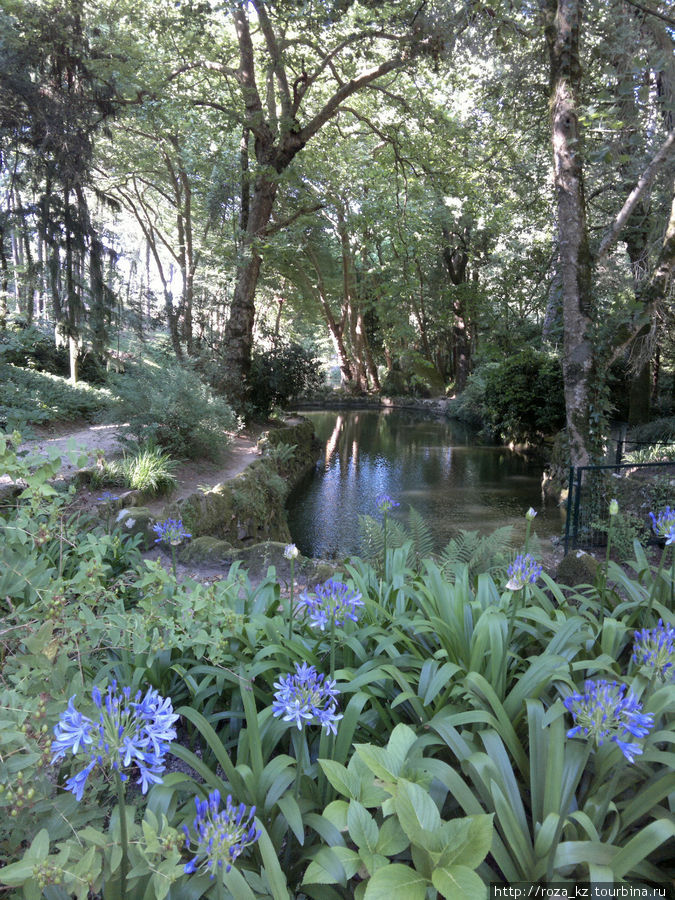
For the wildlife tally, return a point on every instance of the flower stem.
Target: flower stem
(384, 529)
(603, 577)
(173, 561)
(122, 809)
(332, 646)
(528, 527)
(290, 603)
(608, 793)
(652, 592)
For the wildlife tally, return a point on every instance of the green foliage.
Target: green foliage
(524, 396)
(451, 768)
(30, 348)
(37, 397)
(477, 553)
(655, 453)
(662, 429)
(284, 373)
(171, 407)
(471, 405)
(147, 469)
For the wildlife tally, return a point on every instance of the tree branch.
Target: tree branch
(275, 55)
(643, 183)
(303, 211)
(651, 12)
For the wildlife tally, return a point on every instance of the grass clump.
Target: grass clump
(148, 469)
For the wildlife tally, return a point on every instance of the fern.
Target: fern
(420, 535)
(478, 553)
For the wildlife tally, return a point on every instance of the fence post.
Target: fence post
(568, 517)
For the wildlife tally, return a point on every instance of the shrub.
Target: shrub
(471, 405)
(31, 348)
(282, 374)
(35, 397)
(169, 406)
(662, 429)
(524, 396)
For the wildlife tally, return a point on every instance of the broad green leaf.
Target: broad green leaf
(396, 880)
(362, 827)
(332, 866)
(459, 883)
(16, 873)
(341, 779)
(416, 811)
(392, 839)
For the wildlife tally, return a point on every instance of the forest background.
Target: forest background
(419, 191)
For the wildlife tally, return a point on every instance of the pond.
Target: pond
(435, 465)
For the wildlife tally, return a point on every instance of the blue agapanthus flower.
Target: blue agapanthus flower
(107, 497)
(385, 503)
(605, 712)
(307, 697)
(655, 648)
(221, 835)
(664, 524)
(331, 601)
(171, 532)
(128, 733)
(523, 570)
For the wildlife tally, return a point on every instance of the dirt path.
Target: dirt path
(194, 475)
(68, 440)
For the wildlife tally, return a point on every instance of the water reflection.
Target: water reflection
(434, 465)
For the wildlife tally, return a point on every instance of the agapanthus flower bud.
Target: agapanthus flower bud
(613, 507)
(307, 697)
(604, 712)
(531, 513)
(523, 570)
(291, 551)
(222, 835)
(384, 503)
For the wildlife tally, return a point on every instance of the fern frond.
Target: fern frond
(420, 535)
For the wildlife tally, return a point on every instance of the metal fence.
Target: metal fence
(591, 489)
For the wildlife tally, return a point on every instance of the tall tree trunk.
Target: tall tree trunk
(579, 372)
(238, 340)
(4, 279)
(336, 328)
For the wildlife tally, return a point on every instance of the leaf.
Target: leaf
(332, 866)
(396, 880)
(362, 827)
(459, 883)
(416, 811)
(342, 780)
(39, 849)
(392, 839)
(16, 873)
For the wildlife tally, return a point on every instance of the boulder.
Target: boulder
(205, 549)
(137, 520)
(577, 568)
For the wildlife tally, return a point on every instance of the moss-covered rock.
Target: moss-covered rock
(250, 508)
(577, 568)
(137, 520)
(206, 549)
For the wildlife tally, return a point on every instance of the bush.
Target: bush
(30, 348)
(38, 397)
(524, 396)
(282, 374)
(471, 405)
(170, 407)
(658, 430)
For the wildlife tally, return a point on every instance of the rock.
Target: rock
(250, 508)
(137, 520)
(577, 568)
(205, 549)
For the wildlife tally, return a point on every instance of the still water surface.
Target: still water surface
(435, 465)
